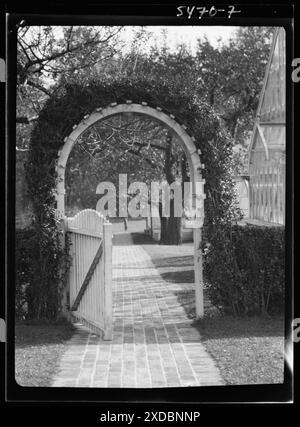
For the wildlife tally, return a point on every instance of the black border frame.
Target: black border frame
(109, 13)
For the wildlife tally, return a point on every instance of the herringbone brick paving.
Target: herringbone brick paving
(154, 343)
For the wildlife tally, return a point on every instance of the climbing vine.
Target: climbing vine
(68, 106)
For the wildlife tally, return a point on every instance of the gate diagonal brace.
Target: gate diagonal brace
(88, 277)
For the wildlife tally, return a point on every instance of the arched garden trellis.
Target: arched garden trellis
(73, 108)
(188, 145)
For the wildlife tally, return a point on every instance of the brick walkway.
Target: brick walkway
(154, 344)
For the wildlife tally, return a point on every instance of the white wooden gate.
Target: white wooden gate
(90, 278)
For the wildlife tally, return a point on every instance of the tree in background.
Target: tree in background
(228, 77)
(231, 78)
(48, 56)
(127, 144)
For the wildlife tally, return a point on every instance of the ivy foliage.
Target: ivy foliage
(42, 264)
(67, 107)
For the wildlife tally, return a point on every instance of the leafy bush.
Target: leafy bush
(24, 241)
(244, 267)
(41, 264)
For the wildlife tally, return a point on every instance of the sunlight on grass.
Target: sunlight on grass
(246, 350)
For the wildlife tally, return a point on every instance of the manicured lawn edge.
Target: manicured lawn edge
(38, 349)
(246, 350)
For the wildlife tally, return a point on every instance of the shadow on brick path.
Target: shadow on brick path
(154, 342)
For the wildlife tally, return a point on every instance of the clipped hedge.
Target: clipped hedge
(244, 269)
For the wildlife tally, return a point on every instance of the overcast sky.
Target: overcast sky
(177, 34)
(187, 34)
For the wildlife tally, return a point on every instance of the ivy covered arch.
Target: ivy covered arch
(73, 106)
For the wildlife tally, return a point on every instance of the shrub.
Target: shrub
(41, 264)
(24, 240)
(244, 269)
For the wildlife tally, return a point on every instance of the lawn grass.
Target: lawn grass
(38, 348)
(246, 350)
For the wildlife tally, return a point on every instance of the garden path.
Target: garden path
(154, 342)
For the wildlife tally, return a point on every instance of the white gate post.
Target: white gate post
(198, 273)
(60, 192)
(107, 253)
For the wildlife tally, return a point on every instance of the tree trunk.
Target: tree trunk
(170, 233)
(174, 236)
(163, 226)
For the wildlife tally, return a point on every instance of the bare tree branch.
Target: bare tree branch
(26, 120)
(39, 87)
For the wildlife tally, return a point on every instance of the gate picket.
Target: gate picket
(90, 285)
(88, 277)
